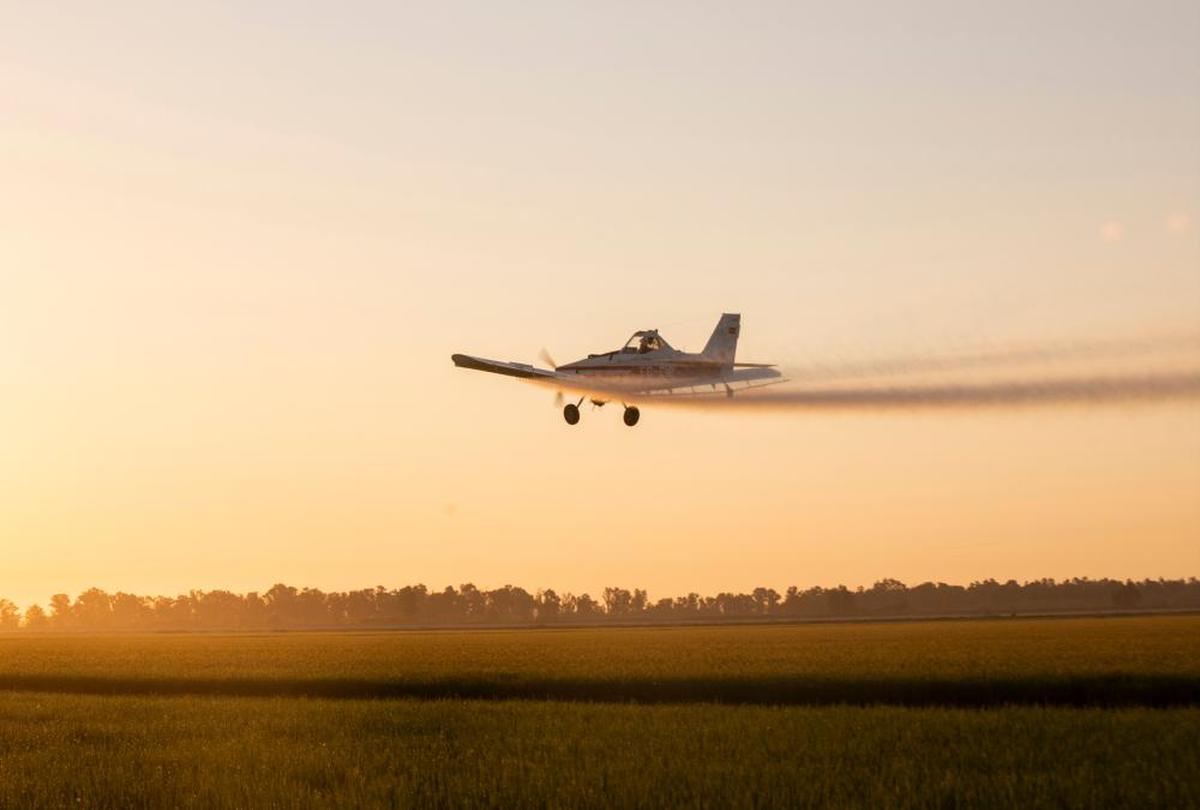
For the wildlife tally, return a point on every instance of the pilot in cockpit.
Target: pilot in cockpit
(649, 343)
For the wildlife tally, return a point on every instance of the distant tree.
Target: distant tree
(219, 610)
(791, 601)
(1127, 596)
(286, 606)
(130, 611)
(10, 616)
(617, 601)
(549, 605)
(170, 613)
(359, 607)
(61, 617)
(808, 603)
(766, 601)
(35, 618)
(408, 603)
(841, 601)
(663, 609)
(443, 607)
(510, 604)
(93, 609)
(336, 607)
(185, 610)
(311, 608)
(472, 602)
(280, 600)
(254, 610)
(586, 607)
(742, 604)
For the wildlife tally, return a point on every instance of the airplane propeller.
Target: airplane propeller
(545, 357)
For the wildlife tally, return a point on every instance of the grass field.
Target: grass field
(1054, 713)
(1120, 661)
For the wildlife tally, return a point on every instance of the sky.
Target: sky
(239, 242)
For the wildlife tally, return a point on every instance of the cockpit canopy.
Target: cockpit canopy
(647, 340)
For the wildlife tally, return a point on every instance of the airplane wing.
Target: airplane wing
(523, 371)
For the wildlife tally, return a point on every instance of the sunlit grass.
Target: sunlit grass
(67, 750)
(1042, 713)
(1127, 661)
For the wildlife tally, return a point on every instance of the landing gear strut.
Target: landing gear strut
(571, 413)
(631, 415)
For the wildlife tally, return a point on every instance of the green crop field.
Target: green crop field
(1054, 713)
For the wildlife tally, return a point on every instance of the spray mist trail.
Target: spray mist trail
(1106, 353)
(1144, 370)
(1046, 391)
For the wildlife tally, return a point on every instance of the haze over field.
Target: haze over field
(238, 245)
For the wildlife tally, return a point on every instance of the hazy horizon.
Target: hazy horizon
(238, 246)
(82, 601)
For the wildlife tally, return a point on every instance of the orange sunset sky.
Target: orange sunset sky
(238, 243)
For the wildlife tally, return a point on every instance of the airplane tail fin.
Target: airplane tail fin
(722, 346)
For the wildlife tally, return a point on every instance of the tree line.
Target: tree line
(287, 607)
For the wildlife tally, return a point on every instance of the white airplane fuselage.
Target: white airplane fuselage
(667, 366)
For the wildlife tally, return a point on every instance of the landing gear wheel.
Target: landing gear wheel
(571, 413)
(631, 415)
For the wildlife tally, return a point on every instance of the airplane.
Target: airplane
(646, 367)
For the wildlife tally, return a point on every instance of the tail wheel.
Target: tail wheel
(571, 413)
(631, 415)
